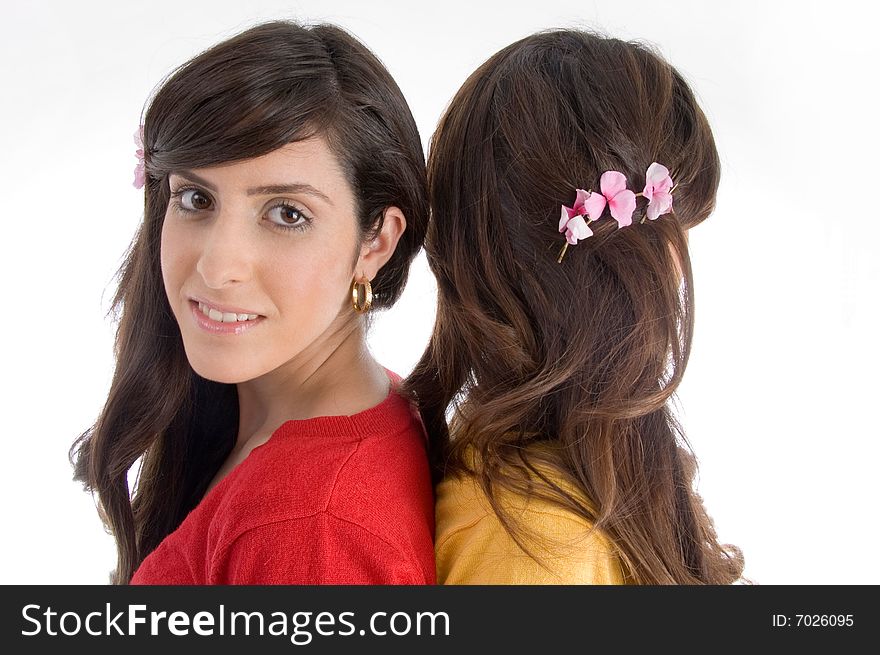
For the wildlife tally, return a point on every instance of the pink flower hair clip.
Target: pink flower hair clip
(139, 176)
(620, 201)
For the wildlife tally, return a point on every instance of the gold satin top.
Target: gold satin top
(472, 546)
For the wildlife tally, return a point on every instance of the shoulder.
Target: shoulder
(316, 549)
(354, 493)
(385, 489)
(313, 465)
(473, 547)
(388, 470)
(391, 457)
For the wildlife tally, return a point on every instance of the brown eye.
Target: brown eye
(290, 215)
(194, 199)
(286, 215)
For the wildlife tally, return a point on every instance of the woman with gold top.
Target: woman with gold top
(562, 179)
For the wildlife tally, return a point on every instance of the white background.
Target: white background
(780, 398)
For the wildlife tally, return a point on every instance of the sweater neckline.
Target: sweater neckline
(391, 415)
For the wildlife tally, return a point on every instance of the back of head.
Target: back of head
(581, 355)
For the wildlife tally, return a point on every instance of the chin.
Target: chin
(220, 374)
(221, 371)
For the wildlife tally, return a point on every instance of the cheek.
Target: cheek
(172, 256)
(310, 277)
(308, 280)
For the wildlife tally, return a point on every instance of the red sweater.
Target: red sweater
(327, 500)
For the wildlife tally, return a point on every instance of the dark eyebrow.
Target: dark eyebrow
(269, 190)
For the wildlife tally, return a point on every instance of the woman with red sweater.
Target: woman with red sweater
(284, 198)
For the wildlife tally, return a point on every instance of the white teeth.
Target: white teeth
(225, 317)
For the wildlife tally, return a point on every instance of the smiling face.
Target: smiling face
(258, 257)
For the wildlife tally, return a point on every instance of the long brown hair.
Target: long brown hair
(581, 356)
(270, 85)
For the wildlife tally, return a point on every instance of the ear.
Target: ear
(375, 254)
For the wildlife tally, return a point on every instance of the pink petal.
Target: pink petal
(579, 201)
(139, 177)
(665, 203)
(577, 229)
(584, 234)
(656, 174)
(612, 183)
(622, 207)
(594, 206)
(564, 218)
(657, 180)
(660, 205)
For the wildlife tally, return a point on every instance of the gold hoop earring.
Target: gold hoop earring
(361, 308)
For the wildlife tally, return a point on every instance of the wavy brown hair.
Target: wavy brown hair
(582, 356)
(270, 85)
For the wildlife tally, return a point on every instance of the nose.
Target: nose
(225, 257)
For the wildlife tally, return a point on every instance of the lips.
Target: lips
(219, 319)
(207, 305)
(225, 317)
